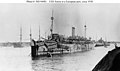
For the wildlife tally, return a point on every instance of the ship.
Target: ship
(101, 42)
(18, 44)
(57, 44)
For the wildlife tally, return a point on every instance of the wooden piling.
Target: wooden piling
(33, 51)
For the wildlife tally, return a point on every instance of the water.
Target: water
(18, 59)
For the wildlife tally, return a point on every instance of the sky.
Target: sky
(102, 20)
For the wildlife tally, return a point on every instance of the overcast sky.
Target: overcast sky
(102, 20)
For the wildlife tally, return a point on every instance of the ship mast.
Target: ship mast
(39, 32)
(30, 34)
(52, 18)
(85, 30)
(20, 34)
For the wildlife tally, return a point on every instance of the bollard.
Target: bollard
(33, 51)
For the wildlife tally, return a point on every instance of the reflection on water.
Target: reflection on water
(15, 59)
(47, 64)
(18, 59)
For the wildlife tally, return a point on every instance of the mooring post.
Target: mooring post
(33, 51)
(33, 48)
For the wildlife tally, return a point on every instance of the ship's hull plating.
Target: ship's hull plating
(64, 49)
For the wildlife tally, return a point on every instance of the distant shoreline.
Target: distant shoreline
(9, 44)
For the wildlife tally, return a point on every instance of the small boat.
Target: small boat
(17, 44)
(101, 42)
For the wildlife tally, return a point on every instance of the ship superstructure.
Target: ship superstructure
(59, 44)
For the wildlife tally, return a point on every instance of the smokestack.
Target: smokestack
(73, 31)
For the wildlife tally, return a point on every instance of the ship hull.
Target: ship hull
(102, 44)
(63, 49)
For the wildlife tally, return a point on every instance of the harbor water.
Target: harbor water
(19, 59)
